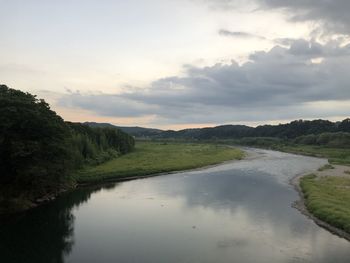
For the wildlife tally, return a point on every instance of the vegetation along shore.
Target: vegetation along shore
(325, 196)
(159, 157)
(41, 155)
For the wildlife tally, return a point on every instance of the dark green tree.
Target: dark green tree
(33, 149)
(39, 151)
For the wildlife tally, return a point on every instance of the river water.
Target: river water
(235, 212)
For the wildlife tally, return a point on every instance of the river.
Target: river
(235, 212)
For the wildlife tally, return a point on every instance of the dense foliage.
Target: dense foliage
(33, 145)
(39, 151)
(96, 145)
(337, 139)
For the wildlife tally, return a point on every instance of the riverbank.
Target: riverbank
(337, 156)
(148, 159)
(157, 158)
(325, 198)
(336, 153)
(324, 194)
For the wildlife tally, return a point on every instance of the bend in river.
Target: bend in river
(235, 212)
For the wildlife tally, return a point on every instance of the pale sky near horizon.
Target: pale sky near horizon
(177, 64)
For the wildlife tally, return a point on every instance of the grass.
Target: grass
(156, 157)
(328, 198)
(334, 155)
(325, 167)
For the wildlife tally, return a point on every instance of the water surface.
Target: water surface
(236, 212)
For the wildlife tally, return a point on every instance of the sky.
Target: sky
(179, 64)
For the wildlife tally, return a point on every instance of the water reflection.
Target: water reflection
(44, 234)
(238, 212)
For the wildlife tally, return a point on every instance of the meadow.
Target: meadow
(158, 157)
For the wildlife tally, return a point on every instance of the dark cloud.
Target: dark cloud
(333, 15)
(107, 104)
(238, 34)
(333, 48)
(279, 84)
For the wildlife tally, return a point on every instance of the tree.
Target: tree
(33, 150)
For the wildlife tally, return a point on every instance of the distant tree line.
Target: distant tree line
(290, 130)
(96, 145)
(327, 139)
(335, 139)
(39, 151)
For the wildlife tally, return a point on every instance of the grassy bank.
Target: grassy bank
(334, 155)
(157, 157)
(328, 198)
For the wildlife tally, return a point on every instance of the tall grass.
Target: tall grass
(328, 198)
(157, 157)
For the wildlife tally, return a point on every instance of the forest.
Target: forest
(39, 151)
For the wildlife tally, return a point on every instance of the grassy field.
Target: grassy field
(334, 155)
(157, 157)
(328, 198)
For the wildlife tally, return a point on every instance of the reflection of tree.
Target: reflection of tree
(44, 234)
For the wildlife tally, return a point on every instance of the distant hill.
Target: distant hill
(224, 131)
(290, 130)
(134, 131)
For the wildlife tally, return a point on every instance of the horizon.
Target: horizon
(226, 124)
(184, 64)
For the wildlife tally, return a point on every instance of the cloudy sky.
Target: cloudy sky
(184, 63)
